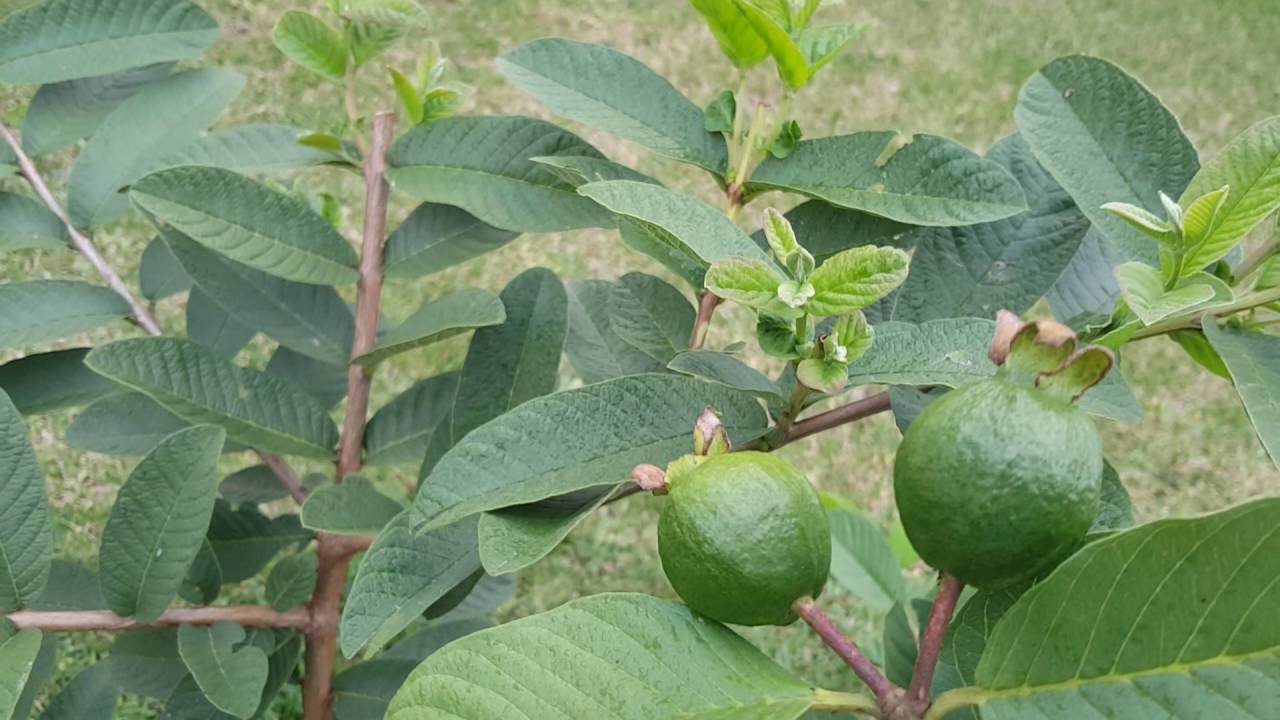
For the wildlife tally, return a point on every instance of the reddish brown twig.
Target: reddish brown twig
(848, 651)
(933, 637)
(91, 620)
(853, 412)
(706, 309)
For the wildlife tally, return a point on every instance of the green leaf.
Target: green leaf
(17, 657)
(437, 320)
(249, 223)
(651, 316)
(594, 348)
(1199, 349)
(198, 386)
(404, 572)
(70, 587)
(353, 508)
(91, 695)
(515, 538)
(1105, 138)
(312, 320)
(576, 439)
(254, 484)
(410, 99)
(245, 540)
(753, 283)
(232, 679)
(612, 91)
(1112, 398)
(1147, 223)
(485, 166)
(793, 66)
(1143, 290)
(325, 382)
(188, 701)
(827, 229)
(44, 382)
(162, 118)
(1191, 635)
(733, 31)
(821, 375)
(280, 671)
(362, 691)
(292, 581)
(146, 662)
(215, 328)
(435, 237)
(718, 116)
(967, 638)
(900, 649)
(127, 424)
(158, 523)
(160, 275)
(68, 39)
(928, 181)
(726, 369)
(312, 43)
(512, 363)
(1253, 359)
(1250, 167)
(580, 661)
(203, 581)
(1007, 264)
(1116, 512)
(26, 532)
(64, 113)
(939, 352)
(252, 148)
(27, 224)
(862, 562)
(821, 45)
(42, 310)
(398, 433)
(391, 13)
(654, 241)
(855, 279)
(696, 225)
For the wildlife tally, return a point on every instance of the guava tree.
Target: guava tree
(902, 272)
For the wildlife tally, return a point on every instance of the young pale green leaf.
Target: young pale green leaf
(727, 370)
(368, 40)
(793, 66)
(779, 234)
(485, 166)
(68, 39)
(404, 14)
(45, 382)
(245, 541)
(292, 581)
(312, 320)
(519, 360)
(862, 562)
(517, 537)
(215, 328)
(64, 113)
(249, 223)
(398, 433)
(950, 353)
(353, 508)
(594, 348)
(821, 45)
(576, 439)
(312, 43)
(822, 375)
(1253, 359)
(27, 224)
(435, 237)
(404, 572)
(612, 91)
(437, 320)
(696, 225)
(1105, 138)
(231, 678)
(1201, 216)
(580, 660)
(651, 316)
(17, 658)
(158, 523)
(198, 386)
(1146, 222)
(162, 118)
(91, 695)
(929, 180)
(41, 310)
(1250, 167)
(410, 98)
(252, 149)
(855, 279)
(326, 382)
(1143, 290)
(1075, 643)
(733, 31)
(26, 532)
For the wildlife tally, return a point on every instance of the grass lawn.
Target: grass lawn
(950, 67)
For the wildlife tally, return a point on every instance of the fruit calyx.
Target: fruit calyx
(1046, 354)
(709, 439)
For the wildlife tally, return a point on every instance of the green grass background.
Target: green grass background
(950, 67)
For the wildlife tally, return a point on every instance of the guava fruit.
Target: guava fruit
(742, 536)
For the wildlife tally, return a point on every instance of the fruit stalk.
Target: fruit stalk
(848, 651)
(933, 637)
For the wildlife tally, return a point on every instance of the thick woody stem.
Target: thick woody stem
(335, 551)
(706, 309)
(933, 637)
(809, 611)
(91, 620)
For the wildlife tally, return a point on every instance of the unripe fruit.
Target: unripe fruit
(742, 537)
(997, 482)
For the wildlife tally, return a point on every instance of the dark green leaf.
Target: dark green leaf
(160, 274)
(435, 237)
(232, 679)
(41, 310)
(651, 316)
(215, 328)
(652, 240)
(1117, 507)
(727, 370)
(50, 381)
(203, 582)
(26, 532)
(399, 432)
(127, 424)
(62, 114)
(1254, 362)
(188, 702)
(292, 581)
(967, 638)
(252, 149)
(437, 320)
(70, 587)
(353, 508)
(825, 229)
(17, 657)
(254, 484)
(595, 349)
(949, 352)
(91, 695)
(517, 537)
(26, 223)
(146, 662)
(325, 382)
(245, 541)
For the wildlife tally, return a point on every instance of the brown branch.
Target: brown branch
(933, 637)
(848, 651)
(853, 412)
(285, 474)
(706, 309)
(90, 620)
(335, 551)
